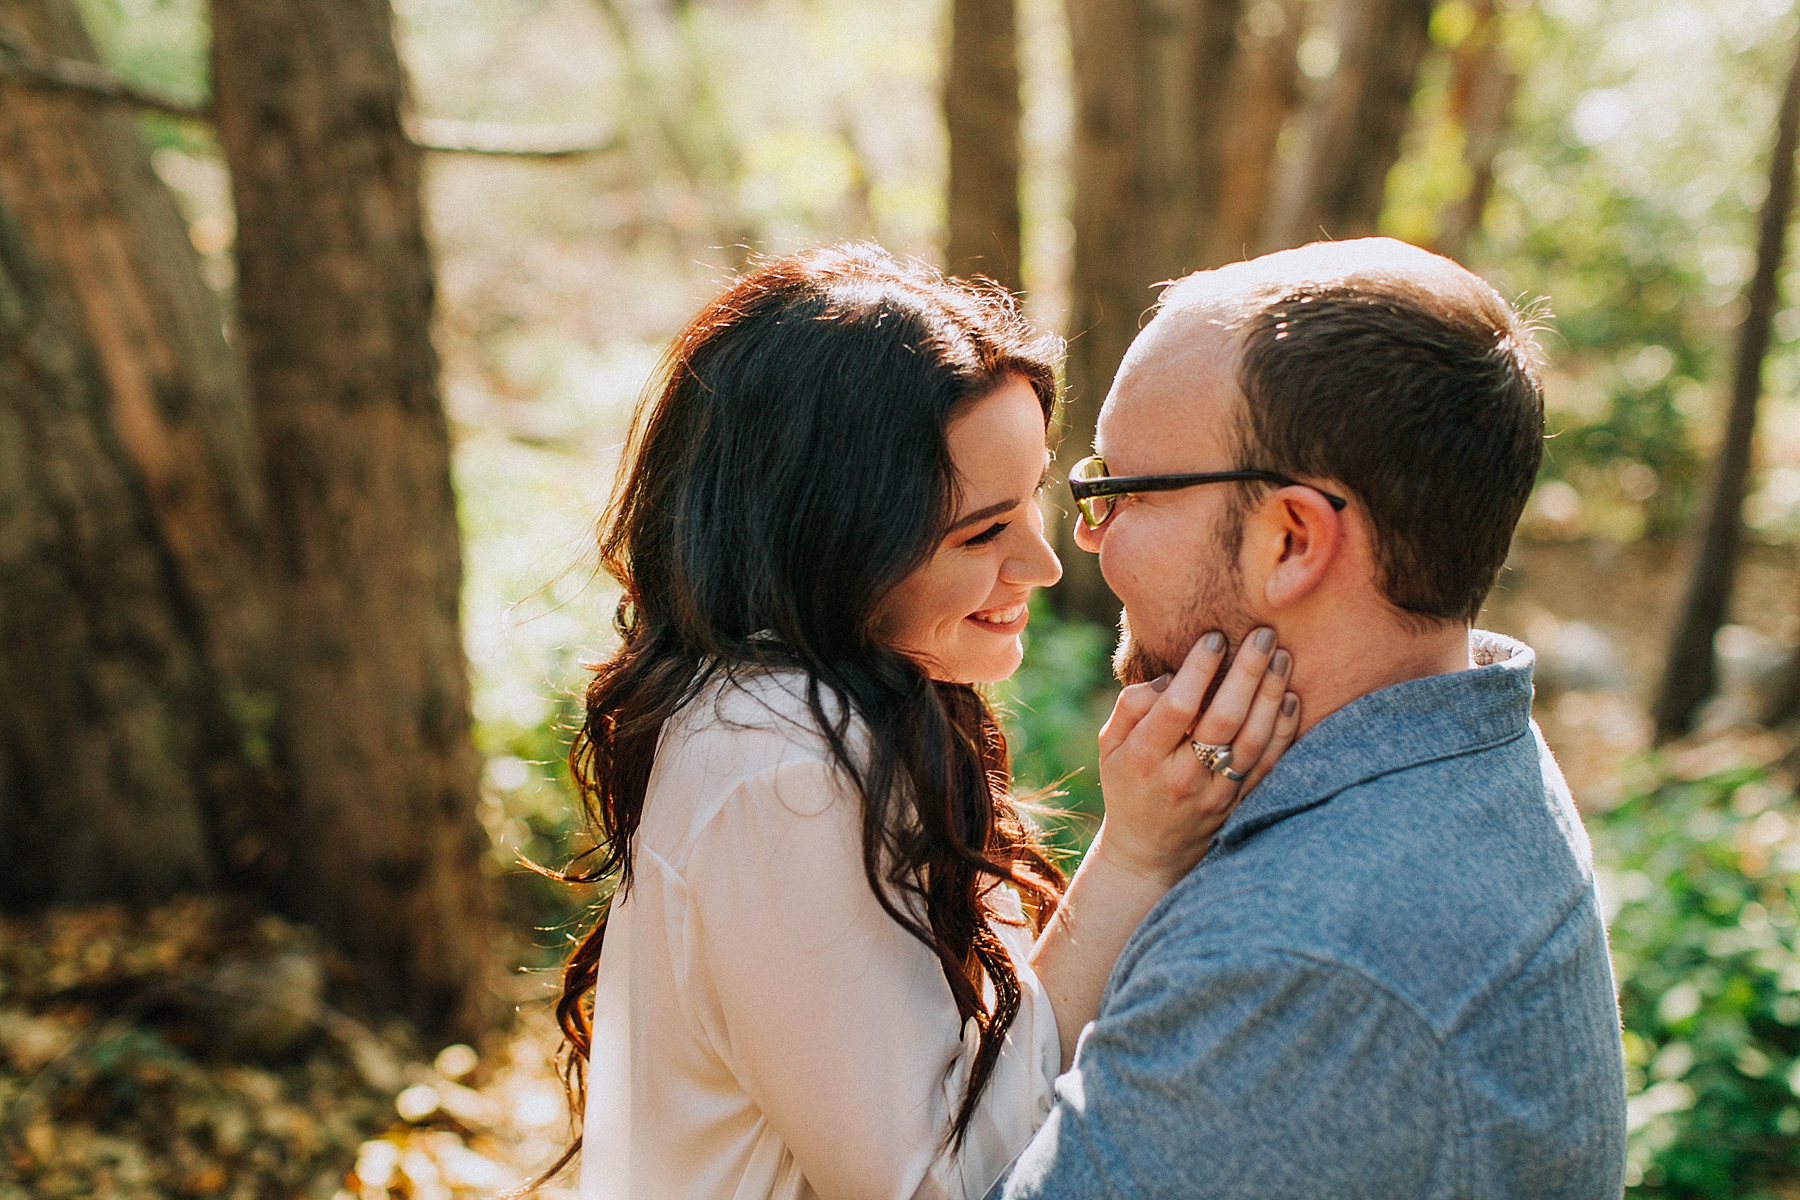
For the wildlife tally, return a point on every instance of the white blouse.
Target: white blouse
(762, 1029)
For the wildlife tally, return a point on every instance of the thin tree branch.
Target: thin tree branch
(91, 81)
(512, 141)
(1690, 673)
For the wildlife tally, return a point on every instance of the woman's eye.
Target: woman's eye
(989, 534)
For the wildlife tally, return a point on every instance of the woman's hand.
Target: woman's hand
(1162, 807)
(1162, 804)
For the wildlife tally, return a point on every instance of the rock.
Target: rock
(1574, 656)
(28, 1042)
(258, 1009)
(1749, 660)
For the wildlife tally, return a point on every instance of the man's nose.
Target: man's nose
(1086, 536)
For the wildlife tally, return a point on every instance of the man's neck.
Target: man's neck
(1334, 669)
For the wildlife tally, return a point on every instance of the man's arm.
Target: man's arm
(1248, 1074)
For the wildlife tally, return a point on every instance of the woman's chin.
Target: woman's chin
(993, 658)
(993, 667)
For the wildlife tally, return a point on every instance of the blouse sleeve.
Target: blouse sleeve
(837, 1022)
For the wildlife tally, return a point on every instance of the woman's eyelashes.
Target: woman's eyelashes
(989, 534)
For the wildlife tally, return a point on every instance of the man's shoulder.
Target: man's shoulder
(1433, 881)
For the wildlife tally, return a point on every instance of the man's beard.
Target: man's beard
(1217, 603)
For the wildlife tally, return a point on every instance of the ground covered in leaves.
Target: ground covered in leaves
(189, 1050)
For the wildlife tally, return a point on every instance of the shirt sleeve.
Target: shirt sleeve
(1245, 1075)
(837, 1022)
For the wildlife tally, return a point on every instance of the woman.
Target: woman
(817, 974)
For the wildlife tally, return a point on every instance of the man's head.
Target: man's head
(1369, 370)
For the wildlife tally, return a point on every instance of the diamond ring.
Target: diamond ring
(1213, 758)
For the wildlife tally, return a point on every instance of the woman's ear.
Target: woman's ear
(1302, 535)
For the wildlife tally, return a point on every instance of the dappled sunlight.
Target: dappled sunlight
(1603, 162)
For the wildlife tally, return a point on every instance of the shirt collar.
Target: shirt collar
(1419, 721)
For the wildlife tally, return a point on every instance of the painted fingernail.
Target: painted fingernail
(1289, 705)
(1265, 639)
(1160, 682)
(1214, 641)
(1279, 664)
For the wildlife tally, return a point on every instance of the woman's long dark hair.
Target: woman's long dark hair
(792, 470)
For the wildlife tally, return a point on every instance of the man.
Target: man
(1388, 977)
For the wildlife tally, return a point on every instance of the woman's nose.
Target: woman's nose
(1035, 564)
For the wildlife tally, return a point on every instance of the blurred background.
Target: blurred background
(321, 326)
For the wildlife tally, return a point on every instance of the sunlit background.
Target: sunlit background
(1626, 191)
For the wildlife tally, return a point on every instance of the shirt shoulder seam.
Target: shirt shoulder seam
(1569, 913)
(1350, 969)
(1332, 792)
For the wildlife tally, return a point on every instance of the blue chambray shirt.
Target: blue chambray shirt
(1388, 978)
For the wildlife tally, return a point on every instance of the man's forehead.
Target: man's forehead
(1177, 387)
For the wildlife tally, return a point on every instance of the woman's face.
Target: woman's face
(960, 615)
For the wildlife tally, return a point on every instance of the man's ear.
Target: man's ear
(1301, 535)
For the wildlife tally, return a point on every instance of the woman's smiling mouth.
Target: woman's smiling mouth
(1010, 619)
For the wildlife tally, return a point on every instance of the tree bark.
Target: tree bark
(1352, 136)
(1151, 98)
(135, 628)
(981, 112)
(1264, 92)
(1482, 84)
(335, 287)
(1689, 675)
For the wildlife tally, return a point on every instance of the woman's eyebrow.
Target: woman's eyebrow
(982, 514)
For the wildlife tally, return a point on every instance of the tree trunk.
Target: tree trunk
(1352, 136)
(335, 286)
(1151, 98)
(1264, 75)
(981, 111)
(1689, 675)
(135, 628)
(1482, 84)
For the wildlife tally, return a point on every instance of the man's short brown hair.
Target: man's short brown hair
(1426, 406)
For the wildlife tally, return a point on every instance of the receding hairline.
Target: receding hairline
(1233, 294)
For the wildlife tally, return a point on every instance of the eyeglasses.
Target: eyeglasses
(1094, 489)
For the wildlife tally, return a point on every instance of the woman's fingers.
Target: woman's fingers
(1231, 703)
(1163, 806)
(1287, 726)
(1265, 709)
(1165, 725)
(1128, 710)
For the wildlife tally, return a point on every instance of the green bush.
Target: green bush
(1053, 709)
(1699, 877)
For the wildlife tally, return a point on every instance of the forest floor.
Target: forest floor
(1598, 613)
(188, 1050)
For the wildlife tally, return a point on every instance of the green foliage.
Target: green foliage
(1628, 195)
(532, 815)
(1702, 876)
(161, 45)
(1053, 708)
